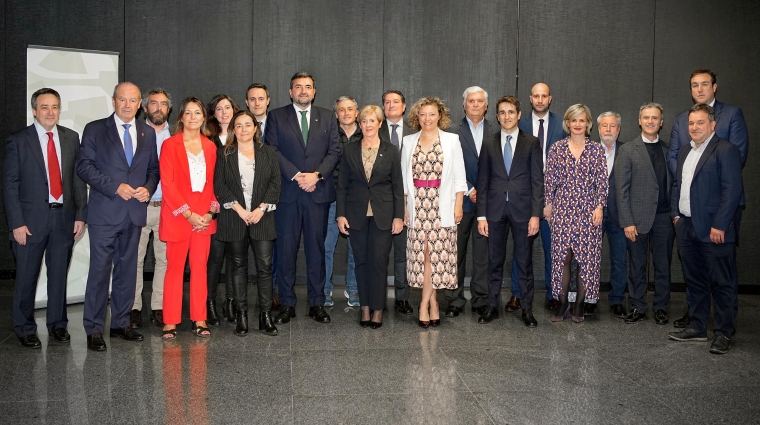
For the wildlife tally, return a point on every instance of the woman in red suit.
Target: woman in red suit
(187, 215)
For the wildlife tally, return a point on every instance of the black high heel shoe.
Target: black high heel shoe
(363, 323)
(228, 310)
(212, 318)
(266, 323)
(563, 312)
(241, 323)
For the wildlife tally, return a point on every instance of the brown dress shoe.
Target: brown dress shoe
(512, 305)
(275, 304)
(135, 319)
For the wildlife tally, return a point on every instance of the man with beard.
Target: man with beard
(156, 105)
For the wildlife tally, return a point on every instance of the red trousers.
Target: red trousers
(176, 255)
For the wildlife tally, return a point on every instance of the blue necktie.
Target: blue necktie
(128, 144)
(508, 158)
(394, 136)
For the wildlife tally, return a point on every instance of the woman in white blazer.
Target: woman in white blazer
(434, 184)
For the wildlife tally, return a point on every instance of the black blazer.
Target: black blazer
(470, 155)
(25, 186)
(266, 189)
(525, 182)
(384, 190)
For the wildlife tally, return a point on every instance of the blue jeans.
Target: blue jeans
(330, 242)
(546, 243)
(618, 271)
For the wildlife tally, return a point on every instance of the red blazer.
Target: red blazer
(178, 195)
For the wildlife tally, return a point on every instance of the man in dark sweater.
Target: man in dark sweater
(642, 184)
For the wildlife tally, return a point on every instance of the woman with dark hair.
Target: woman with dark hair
(188, 210)
(220, 112)
(247, 183)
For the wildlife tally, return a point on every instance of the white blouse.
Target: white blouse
(197, 170)
(247, 174)
(223, 138)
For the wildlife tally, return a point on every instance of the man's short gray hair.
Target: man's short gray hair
(652, 105)
(471, 90)
(157, 90)
(343, 99)
(609, 114)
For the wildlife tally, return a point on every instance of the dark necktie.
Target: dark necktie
(304, 127)
(54, 169)
(541, 133)
(508, 157)
(128, 144)
(394, 135)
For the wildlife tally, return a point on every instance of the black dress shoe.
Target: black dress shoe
(489, 315)
(375, 325)
(127, 334)
(528, 319)
(553, 305)
(435, 323)
(618, 311)
(424, 323)
(512, 305)
(157, 318)
(286, 313)
(228, 310)
(212, 317)
(635, 317)
(30, 341)
(480, 310)
(589, 309)
(660, 317)
(453, 311)
(403, 307)
(720, 345)
(135, 319)
(683, 321)
(95, 342)
(687, 335)
(319, 314)
(60, 335)
(266, 323)
(241, 323)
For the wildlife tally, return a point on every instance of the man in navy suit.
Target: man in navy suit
(45, 204)
(729, 126)
(308, 149)
(547, 127)
(511, 195)
(119, 160)
(707, 189)
(472, 131)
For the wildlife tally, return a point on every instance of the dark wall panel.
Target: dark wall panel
(721, 36)
(190, 49)
(441, 48)
(6, 258)
(588, 57)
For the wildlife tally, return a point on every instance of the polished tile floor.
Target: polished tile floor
(601, 371)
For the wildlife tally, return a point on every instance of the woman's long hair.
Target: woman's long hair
(213, 128)
(179, 127)
(232, 142)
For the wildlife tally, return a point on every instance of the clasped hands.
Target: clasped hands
(126, 192)
(396, 227)
(307, 181)
(199, 223)
(250, 217)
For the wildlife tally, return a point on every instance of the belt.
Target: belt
(154, 203)
(53, 205)
(427, 183)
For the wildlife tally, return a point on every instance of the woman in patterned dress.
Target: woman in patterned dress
(434, 185)
(575, 183)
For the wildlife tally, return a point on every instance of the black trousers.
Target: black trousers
(372, 248)
(399, 266)
(238, 257)
(498, 232)
(661, 237)
(214, 268)
(479, 281)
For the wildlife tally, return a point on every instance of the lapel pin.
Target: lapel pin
(142, 134)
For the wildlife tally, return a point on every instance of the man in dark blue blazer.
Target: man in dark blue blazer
(118, 159)
(511, 195)
(547, 127)
(473, 130)
(707, 188)
(308, 149)
(45, 204)
(729, 126)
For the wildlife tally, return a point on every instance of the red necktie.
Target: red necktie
(54, 170)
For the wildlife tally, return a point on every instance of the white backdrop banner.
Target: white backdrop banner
(85, 80)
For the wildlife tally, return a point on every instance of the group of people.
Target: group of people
(228, 178)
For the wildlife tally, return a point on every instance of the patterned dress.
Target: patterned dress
(574, 188)
(427, 229)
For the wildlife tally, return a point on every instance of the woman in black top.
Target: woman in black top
(247, 186)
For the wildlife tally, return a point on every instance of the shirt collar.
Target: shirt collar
(712, 104)
(513, 133)
(299, 110)
(657, 139)
(609, 151)
(701, 148)
(164, 128)
(41, 132)
(472, 125)
(120, 123)
(536, 117)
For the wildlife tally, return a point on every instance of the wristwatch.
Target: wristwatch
(319, 175)
(263, 209)
(213, 215)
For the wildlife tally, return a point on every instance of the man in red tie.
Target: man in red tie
(46, 205)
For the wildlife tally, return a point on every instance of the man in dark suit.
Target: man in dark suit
(511, 195)
(729, 126)
(472, 131)
(643, 199)
(393, 130)
(119, 160)
(45, 204)
(609, 130)
(707, 189)
(308, 149)
(547, 127)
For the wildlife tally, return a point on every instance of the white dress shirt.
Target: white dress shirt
(197, 165)
(546, 131)
(298, 115)
(132, 132)
(399, 129)
(42, 134)
(689, 166)
(609, 154)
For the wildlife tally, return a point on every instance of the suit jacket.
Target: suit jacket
(102, 164)
(636, 185)
(25, 185)
(384, 189)
(470, 155)
(612, 208)
(729, 126)
(266, 189)
(715, 191)
(524, 183)
(385, 133)
(178, 195)
(554, 132)
(321, 153)
(453, 177)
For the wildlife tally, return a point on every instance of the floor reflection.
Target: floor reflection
(185, 406)
(437, 402)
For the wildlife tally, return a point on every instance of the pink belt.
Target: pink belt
(427, 183)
